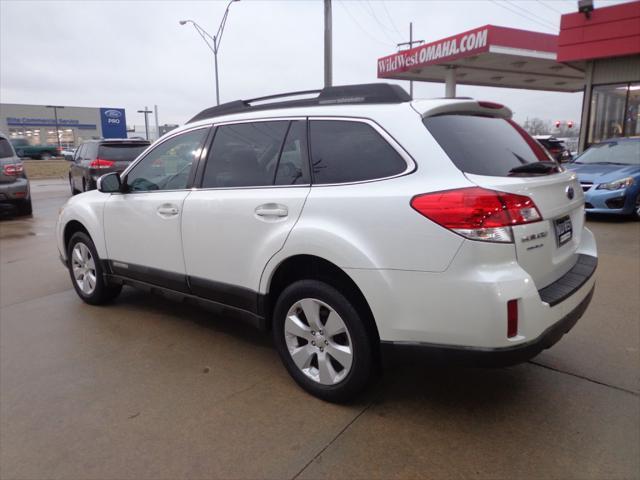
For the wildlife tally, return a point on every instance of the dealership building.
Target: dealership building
(597, 52)
(42, 124)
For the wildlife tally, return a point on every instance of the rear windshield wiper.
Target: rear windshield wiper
(608, 163)
(541, 168)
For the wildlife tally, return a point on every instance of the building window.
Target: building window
(614, 112)
(632, 122)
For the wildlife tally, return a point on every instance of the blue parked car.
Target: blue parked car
(609, 173)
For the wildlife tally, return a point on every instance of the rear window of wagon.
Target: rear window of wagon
(483, 145)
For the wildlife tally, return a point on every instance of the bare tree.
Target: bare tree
(537, 126)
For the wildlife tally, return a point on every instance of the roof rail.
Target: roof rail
(367, 93)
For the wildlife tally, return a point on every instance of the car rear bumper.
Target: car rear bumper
(485, 357)
(466, 307)
(14, 191)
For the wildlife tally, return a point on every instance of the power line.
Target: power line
(530, 13)
(341, 2)
(384, 5)
(521, 13)
(531, 19)
(371, 12)
(549, 7)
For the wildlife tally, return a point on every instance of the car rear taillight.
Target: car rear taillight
(495, 106)
(13, 169)
(477, 213)
(101, 163)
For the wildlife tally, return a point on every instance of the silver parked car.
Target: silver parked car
(15, 193)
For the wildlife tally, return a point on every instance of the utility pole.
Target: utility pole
(410, 44)
(155, 110)
(146, 112)
(55, 115)
(328, 47)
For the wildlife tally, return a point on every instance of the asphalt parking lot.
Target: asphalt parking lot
(147, 388)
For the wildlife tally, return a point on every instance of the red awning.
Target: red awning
(608, 32)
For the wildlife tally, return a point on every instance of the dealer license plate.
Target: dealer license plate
(564, 230)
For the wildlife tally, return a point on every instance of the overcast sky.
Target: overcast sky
(133, 53)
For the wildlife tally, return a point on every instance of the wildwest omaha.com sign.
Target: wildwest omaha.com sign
(474, 41)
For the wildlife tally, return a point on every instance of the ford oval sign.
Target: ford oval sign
(113, 113)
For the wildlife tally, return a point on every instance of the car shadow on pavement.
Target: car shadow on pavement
(437, 385)
(206, 316)
(452, 387)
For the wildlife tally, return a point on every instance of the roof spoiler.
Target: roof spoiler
(426, 108)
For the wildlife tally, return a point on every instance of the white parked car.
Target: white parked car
(350, 225)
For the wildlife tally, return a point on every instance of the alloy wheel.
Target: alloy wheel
(84, 268)
(318, 341)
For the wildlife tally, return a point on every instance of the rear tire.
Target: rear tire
(84, 185)
(322, 340)
(87, 275)
(72, 187)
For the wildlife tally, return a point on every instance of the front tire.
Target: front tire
(86, 271)
(636, 209)
(322, 340)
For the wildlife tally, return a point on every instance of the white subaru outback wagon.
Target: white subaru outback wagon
(350, 223)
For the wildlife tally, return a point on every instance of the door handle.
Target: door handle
(168, 210)
(272, 210)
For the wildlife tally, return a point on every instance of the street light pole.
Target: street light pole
(215, 64)
(55, 115)
(146, 112)
(213, 41)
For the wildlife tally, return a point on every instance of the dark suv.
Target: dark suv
(15, 194)
(555, 147)
(94, 158)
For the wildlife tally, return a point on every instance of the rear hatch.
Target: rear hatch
(117, 156)
(497, 154)
(10, 165)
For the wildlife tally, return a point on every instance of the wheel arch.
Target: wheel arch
(304, 267)
(81, 217)
(71, 228)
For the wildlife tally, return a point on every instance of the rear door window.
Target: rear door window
(80, 153)
(245, 154)
(90, 151)
(293, 167)
(485, 145)
(121, 152)
(5, 148)
(349, 151)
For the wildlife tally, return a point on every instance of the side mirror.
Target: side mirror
(110, 183)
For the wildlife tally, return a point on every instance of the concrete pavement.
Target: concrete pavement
(148, 388)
